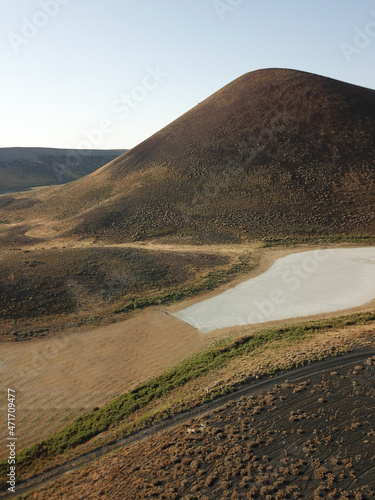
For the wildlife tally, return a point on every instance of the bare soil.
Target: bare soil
(57, 380)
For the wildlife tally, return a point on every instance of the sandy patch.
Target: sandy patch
(58, 379)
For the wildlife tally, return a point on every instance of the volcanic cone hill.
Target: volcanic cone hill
(276, 152)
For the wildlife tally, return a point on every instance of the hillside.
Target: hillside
(25, 168)
(276, 152)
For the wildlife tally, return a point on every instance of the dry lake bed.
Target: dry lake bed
(300, 284)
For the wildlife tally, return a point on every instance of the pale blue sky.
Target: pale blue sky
(73, 71)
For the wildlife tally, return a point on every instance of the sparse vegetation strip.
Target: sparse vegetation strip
(317, 240)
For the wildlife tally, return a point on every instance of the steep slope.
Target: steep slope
(274, 152)
(24, 168)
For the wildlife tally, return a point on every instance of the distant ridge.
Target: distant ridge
(25, 168)
(276, 152)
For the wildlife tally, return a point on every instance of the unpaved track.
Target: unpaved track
(227, 249)
(250, 388)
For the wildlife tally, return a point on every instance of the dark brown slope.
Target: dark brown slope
(274, 152)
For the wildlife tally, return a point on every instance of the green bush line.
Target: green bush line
(93, 423)
(298, 240)
(211, 281)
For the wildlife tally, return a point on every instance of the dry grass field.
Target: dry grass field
(59, 379)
